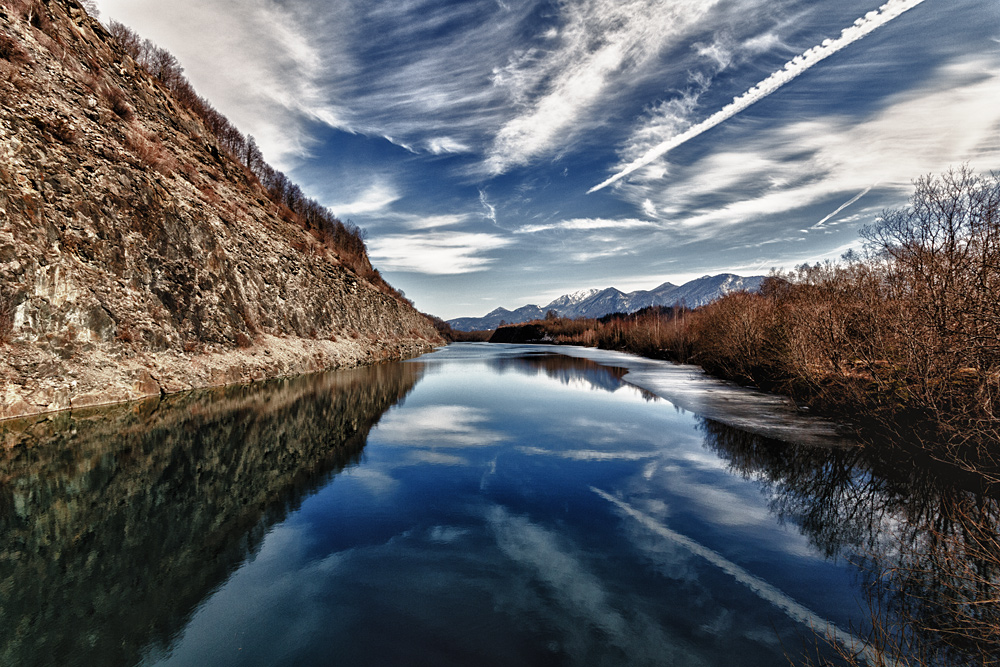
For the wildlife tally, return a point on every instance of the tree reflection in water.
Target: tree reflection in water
(567, 370)
(924, 542)
(115, 523)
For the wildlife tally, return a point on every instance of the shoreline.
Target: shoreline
(691, 388)
(36, 382)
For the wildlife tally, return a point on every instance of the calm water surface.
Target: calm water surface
(483, 505)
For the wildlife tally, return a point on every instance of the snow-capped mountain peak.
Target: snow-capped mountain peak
(600, 302)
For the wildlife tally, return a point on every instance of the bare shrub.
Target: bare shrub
(125, 333)
(11, 51)
(739, 337)
(115, 99)
(90, 6)
(150, 151)
(7, 307)
(209, 193)
(126, 39)
(9, 74)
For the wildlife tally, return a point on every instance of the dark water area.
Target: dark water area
(487, 505)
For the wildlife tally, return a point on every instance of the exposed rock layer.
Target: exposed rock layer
(136, 257)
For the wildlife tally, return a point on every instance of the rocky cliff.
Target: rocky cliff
(136, 255)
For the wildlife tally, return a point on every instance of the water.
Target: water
(487, 505)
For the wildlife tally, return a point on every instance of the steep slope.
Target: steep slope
(136, 255)
(595, 303)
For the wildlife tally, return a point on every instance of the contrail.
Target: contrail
(843, 206)
(763, 589)
(794, 67)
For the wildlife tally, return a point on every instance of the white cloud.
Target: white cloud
(588, 224)
(793, 68)
(376, 198)
(951, 119)
(437, 426)
(602, 43)
(839, 209)
(491, 210)
(434, 221)
(442, 145)
(254, 60)
(435, 253)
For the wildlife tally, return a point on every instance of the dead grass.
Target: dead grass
(7, 306)
(11, 50)
(115, 99)
(243, 341)
(150, 152)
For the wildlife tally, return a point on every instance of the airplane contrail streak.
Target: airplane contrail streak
(793, 68)
(763, 589)
(843, 206)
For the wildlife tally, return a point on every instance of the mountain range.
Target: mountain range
(600, 302)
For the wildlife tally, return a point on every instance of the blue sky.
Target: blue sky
(465, 135)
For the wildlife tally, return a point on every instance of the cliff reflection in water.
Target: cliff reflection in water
(927, 546)
(114, 526)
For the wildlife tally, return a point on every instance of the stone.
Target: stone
(123, 265)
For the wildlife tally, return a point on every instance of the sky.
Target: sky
(505, 152)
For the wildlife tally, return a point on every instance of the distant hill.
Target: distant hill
(597, 303)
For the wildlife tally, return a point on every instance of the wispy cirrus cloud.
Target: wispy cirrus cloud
(588, 224)
(419, 73)
(792, 69)
(774, 172)
(375, 198)
(279, 77)
(599, 45)
(436, 253)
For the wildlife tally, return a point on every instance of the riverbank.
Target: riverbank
(35, 381)
(864, 408)
(691, 389)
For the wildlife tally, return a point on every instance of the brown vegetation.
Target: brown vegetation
(150, 152)
(115, 99)
(456, 336)
(345, 238)
(923, 539)
(7, 306)
(908, 334)
(11, 51)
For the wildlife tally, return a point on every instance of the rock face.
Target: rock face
(136, 257)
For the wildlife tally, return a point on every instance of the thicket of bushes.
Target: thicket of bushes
(906, 332)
